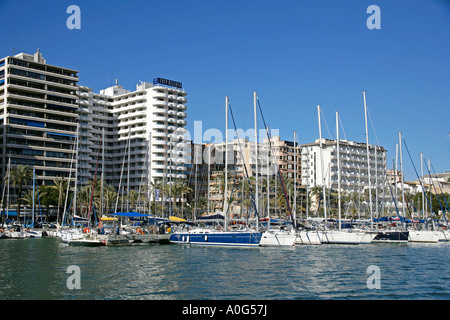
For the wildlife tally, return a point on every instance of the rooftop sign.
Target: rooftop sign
(167, 82)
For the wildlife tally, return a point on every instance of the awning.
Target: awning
(129, 214)
(108, 219)
(176, 219)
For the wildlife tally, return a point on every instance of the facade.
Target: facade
(353, 166)
(241, 162)
(39, 116)
(135, 136)
(128, 138)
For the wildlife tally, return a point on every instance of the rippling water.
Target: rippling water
(36, 269)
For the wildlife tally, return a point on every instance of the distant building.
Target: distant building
(353, 166)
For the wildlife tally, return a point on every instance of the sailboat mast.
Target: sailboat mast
(256, 162)
(294, 211)
(339, 169)
(368, 161)
(225, 192)
(209, 175)
(423, 190)
(401, 173)
(76, 177)
(321, 168)
(268, 176)
(103, 169)
(34, 186)
(128, 171)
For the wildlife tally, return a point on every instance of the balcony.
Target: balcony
(160, 95)
(160, 103)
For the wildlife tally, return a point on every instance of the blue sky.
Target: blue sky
(294, 54)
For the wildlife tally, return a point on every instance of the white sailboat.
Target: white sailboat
(280, 237)
(326, 235)
(429, 236)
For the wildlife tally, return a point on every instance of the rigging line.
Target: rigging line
(242, 155)
(342, 126)
(93, 182)
(226, 177)
(373, 127)
(278, 166)
(439, 185)
(431, 182)
(326, 125)
(416, 173)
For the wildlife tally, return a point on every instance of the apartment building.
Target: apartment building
(242, 164)
(353, 165)
(39, 116)
(137, 136)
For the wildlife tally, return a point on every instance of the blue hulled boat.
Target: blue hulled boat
(217, 238)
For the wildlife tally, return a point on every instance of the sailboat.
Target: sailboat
(330, 236)
(397, 235)
(281, 237)
(244, 237)
(415, 235)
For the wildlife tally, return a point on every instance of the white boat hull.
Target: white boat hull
(308, 238)
(444, 235)
(274, 238)
(14, 234)
(341, 237)
(424, 236)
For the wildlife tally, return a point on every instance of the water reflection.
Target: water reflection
(36, 269)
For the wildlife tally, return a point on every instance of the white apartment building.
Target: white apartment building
(353, 166)
(135, 136)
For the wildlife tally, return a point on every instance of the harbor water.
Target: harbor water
(38, 269)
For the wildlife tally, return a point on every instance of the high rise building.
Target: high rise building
(128, 138)
(39, 116)
(138, 136)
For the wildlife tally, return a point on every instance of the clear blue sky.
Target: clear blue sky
(295, 54)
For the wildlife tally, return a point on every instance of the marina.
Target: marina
(247, 150)
(37, 269)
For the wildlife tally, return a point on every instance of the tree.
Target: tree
(20, 176)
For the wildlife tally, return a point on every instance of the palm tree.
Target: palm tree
(60, 187)
(132, 198)
(28, 197)
(20, 175)
(110, 195)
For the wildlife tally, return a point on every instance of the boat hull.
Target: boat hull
(212, 238)
(275, 238)
(341, 237)
(87, 243)
(444, 236)
(424, 236)
(308, 238)
(391, 237)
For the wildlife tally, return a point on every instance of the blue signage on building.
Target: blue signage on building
(166, 82)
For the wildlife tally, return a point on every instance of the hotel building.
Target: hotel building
(39, 116)
(353, 165)
(127, 137)
(138, 136)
